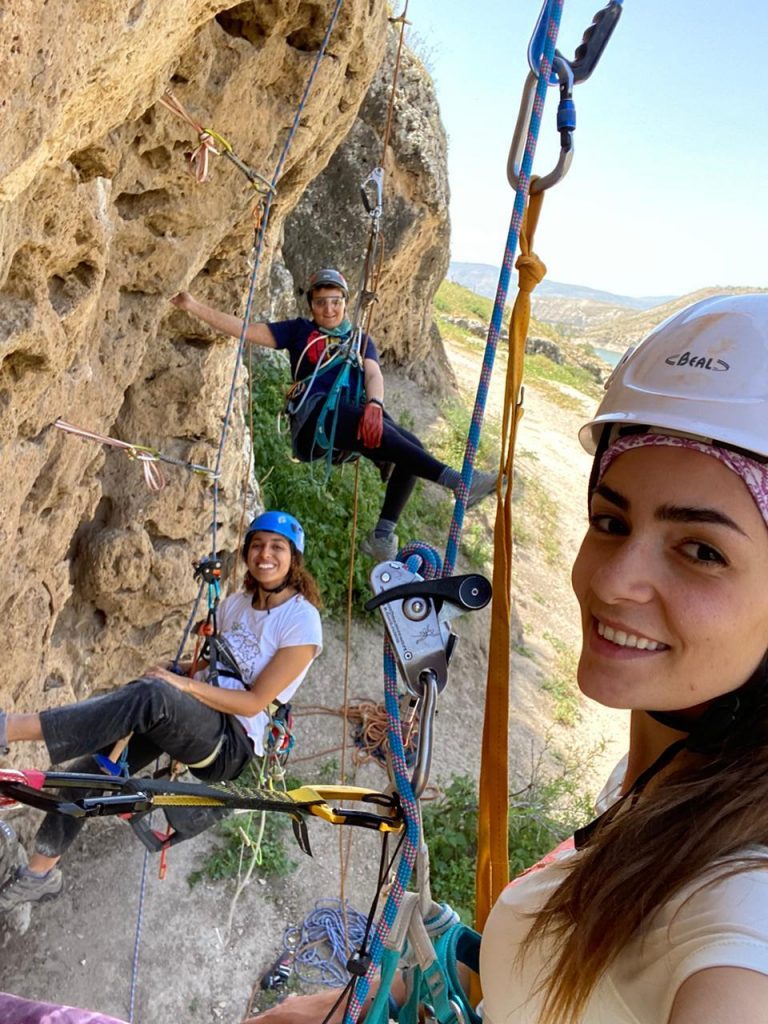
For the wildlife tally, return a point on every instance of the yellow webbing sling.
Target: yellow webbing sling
(493, 817)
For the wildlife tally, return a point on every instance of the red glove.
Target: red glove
(370, 429)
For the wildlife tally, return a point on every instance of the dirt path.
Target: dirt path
(79, 948)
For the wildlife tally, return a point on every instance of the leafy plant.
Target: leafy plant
(560, 683)
(541, 815)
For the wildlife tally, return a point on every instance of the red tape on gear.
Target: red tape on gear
(32, 777)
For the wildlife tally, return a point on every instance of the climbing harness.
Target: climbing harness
(147, 456)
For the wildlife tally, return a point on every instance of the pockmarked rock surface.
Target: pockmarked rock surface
(415, 231)
(100, 222)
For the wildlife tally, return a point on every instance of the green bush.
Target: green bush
(231, 856)
(540, 817)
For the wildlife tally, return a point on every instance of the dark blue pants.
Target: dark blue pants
(163, 720)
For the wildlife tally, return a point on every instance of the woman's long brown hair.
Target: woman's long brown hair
(705, 809)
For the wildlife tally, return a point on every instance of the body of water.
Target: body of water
(607, 355)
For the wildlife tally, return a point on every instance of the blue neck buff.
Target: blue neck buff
(341, 331)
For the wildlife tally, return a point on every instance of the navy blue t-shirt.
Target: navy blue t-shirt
(304, 344)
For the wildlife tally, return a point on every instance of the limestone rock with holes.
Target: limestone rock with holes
(100, 222)
(415, 227)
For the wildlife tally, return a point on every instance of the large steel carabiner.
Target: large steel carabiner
(566, 123)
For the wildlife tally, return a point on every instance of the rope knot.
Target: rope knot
(531, 270)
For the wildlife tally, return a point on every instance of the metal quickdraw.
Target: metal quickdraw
(566, 74)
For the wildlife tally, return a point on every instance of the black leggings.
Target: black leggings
(162, 720)
(398, 445)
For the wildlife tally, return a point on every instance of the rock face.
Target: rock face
(330, 226)
(100, 222)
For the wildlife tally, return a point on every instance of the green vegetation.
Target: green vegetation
(537, 520)
(560, 685)
(540, 817)
(548, 375)
(455, 300)
(451, 438)
(324, 508)
(241, 834)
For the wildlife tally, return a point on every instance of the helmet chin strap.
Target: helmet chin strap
(269, 591)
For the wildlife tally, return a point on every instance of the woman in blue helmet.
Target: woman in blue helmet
(272, 630)
(370, 431)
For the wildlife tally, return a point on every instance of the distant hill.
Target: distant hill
(630, 327)
(483, 279)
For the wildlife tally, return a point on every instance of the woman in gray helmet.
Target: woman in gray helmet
(657, 911)
(370, 431)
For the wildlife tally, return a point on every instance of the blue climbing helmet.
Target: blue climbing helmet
(276, 522)
(326, 278)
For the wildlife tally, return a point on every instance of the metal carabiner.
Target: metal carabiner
(427, 707)
(375, 179)
(566, 123)
(590, 49)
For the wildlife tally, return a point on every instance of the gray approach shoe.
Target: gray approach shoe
(380, 549)
(482, 485)
(25, 888)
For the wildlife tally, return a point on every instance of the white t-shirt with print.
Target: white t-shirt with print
(724, 924)
(254, 636)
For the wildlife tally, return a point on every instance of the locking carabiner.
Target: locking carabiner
(566, 125)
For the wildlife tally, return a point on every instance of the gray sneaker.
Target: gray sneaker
(482, 485)
(381, 549)
(25, 888)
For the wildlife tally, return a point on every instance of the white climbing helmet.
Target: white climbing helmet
(702, 372)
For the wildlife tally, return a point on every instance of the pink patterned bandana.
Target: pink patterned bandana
(754, 474)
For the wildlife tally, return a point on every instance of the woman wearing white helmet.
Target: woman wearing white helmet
(371, 432)
(657, 913)
(269, 633)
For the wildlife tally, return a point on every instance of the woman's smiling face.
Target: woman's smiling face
(269, 558)
(672, 581)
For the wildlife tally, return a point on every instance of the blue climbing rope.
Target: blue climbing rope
(428, 564)
(319, 946)
(554, 13)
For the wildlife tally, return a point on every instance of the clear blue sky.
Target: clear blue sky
(667, 192)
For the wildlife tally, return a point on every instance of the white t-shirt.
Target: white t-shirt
(254, 636)
(722, 925)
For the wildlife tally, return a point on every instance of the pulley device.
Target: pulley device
(417, 615)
